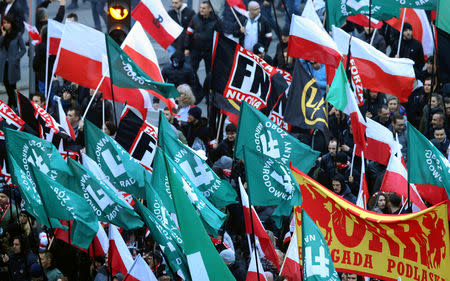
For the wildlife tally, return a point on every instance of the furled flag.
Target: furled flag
(396, 4)
(239, 6)
(255, 270)
(379, 73)
(172, 248)
(157, 22)
(217, 191)
(305, 106)
(54, 34)
(363, 194)
(203, 259)
(33, 33)
(257, 228)
(270, 183)
(242, 76)
(427, 167)
(420, 25)
(309, 41)
(140, 271)
(337, 11)
(123, 171)
(65, 124)
(291, 265)
(119, 257)
(261, 134)
(316, 257)
(104, 199)
(138, 137)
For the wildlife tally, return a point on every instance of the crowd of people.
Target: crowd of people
(30, 252)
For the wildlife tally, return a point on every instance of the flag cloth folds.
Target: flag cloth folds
(426, 165)
(157, 22)
(261, 134)
(160, 178)
(119, 257)
(203, 259)
(311, 42)
(33, 33)
(270, 183)
(140, 271)
(316, 257)
(377, 245)
(364, 20)
(305, 105)
(379, 73)
(54, 34)
(238, 5)
(291, 265)
(242, 76)
(125, 73)
(255, 270)
(442, 19)
(396, 4)
(123, 171)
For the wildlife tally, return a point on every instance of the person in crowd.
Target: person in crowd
(98, 11)
(255, 29)
(383, 116)
(20, 260)
(69, 97)
(410, 48)
(182, 15)
(30, 229)
(260, 51)
(185, 101)
(394, 106)
(100, 269)
(110, 128)
(281, 59)
(8, 211)
(441, 141)
(12, 49)
(14, 10)
(236, 268)
(72, 17)
(435, 105)
(428, 71)
(337, 122)
(398, 129)
(42, 14)
(225, 148)
(351, 277)
(376, 40)
(74, 117)
(52, 273)
(95, 111)
(196, 131)
(437, 121)
(317, 71)
(381, 203)
(417, 101)
(395, 203)
(328, 163)
(341, 188)
(372, 103)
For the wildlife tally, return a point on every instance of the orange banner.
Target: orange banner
(413, 246)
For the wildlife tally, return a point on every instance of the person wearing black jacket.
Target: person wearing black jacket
(19, 261)
(42, 14)
(182, 15)
(15, 10)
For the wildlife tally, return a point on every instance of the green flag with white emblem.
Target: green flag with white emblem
(160, 180)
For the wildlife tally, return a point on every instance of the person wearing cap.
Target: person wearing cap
(196, 131)
(235, 268)
(8, 211)
(255, 28)
(260, 51)
(410, 48)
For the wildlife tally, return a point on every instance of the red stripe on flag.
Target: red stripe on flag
(54, 46)
(148, 66)
(302, 48)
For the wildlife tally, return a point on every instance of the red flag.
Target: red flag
(34, 33)
(255, 267)
(119, 257)
(363, 20)
(291, 265)
(238, 5)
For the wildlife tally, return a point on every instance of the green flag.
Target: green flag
(426, 164)
(217, 191)
(337, 11)
(259, 133)
(160, 180)
(414, 4)
(125, 73)
(65, 204)
(165, 126)
(442, 18)
(103, 198)
(203, 259)
(163, 235)
(316, 258)
(271, 183)
(122, 170)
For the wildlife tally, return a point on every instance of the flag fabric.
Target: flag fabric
(379, 73)
(442, 20)
(270, 183)
(442, 54)
(396, 4)
(363, 20)
(140, 271)
(350, 233)
(309, 12)
(316, 257)
(139, 48)
(260, 233)
(421, 27)
(11, 118)
(160, 178)
(379, 143)
(427, 166)
(242, 76)
(33, 33)
(255, 270)
(138, 137)
(157, 22)
(170, 243)
(239, 6)
(65, 124)
(337, 11)
(119, 257)
(203, 259)
(123, 171)
(305, 105)
(363, 194)
(354, 77)
(54, 34)
(259, 133)
(217, 191)
(106, 202)
(291, 265)
(311, 42)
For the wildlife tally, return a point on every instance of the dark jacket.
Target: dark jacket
(264, 31)
(442, 146)
(19, 265)
(199, 35)
(59, 15)
(378, 41)
(16, 50)
(183, 18)
(414, 107)
(225, 148)
(373, 106)
(17, 11)
(199, 130)
(346, 193)
(411, 49)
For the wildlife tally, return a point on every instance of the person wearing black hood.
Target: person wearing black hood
(196, 131)
(341, 188)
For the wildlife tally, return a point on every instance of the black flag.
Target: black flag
(305, 106)
(443, 56)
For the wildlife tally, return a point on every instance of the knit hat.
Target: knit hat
(195, 112)
(341, 157)
(258, 48)
(407, 25)
(228, 256)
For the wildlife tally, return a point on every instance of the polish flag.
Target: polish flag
(54, 34)
(363, 20)
(380, 73)
(421, 27)
(254, 268)
(363, 194)
(264, 240)
(33, 33)
(309, 12)
(291, 265)
(311, 42)
(157, 22)
(238, 5)
(140, 271)
(63, 121)
(119, 257)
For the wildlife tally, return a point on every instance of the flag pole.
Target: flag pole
(401, 33)
(235, 16)
(370, 14)
(220, 126)
(93, 96)
(46, 73)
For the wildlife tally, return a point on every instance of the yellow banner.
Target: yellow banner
(413, 246)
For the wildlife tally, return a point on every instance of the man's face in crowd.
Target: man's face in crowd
(205, 10)
(72, 117)
(399, 125)
(373, 95)
(231, 136)
(427, 86)
(332, 148)
(440, 135)
(254, 11)
(285, 38)
(436, 121)
(16, 246)
(168, 115)
(447, 108)
(3, 199)
(337, 188)
(45, 262)
(37, 100)
(407, 34)
(176, 4)
(384, 115)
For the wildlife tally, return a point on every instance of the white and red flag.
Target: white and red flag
(238, 5)
(54, 34)
(291, 265)
(379, 73)
(311, 42)
(119, 257)
(309, 12)
(140, 271)
(34, 33)
(255, 270)
(363, 20)
(420, 25)
(63, 121)
(260, 233)
(157, 22)
(363, 194)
